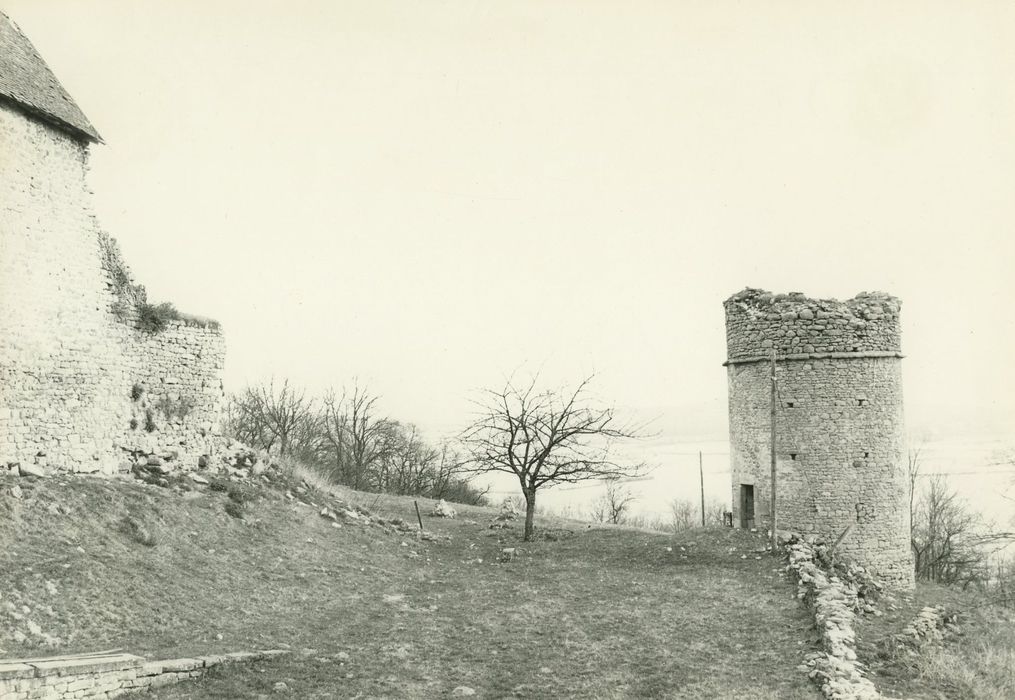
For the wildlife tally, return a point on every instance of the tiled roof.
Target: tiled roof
(26, 80)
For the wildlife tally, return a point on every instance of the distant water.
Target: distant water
(981, 470)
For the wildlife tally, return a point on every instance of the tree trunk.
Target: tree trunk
(530, 512)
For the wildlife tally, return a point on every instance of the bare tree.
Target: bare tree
(714, 511)
(544, 438)
(344, 437)
(272, 417)
(411, 465)
(948, 538)
(358, 441)
(685, 514)
(913, 473)
(613, 505)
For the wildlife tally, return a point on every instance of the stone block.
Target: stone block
(15, 670)
(177, 665)
(238, 656)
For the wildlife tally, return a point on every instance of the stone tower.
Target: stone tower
(840, 444)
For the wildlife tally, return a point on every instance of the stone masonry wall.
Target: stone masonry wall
(840, 447)
(104, 676)
(758, 321)
(177, 383)
(68, 360)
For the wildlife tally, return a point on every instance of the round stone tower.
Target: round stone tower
(840, 444)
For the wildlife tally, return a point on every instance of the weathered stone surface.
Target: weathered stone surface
(104, 675)
(177, 665)
(29, 469)
(833, 600)
(840, 450)
(14, 670)
(70, 350)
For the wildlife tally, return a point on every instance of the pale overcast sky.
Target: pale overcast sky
(431, 194)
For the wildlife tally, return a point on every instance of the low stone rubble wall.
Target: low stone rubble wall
(834, 602)
(103, 676)
(931, 626)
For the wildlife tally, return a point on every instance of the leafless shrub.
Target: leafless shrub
(614, 505)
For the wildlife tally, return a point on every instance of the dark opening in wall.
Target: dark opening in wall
(864, 513)
(746, 506)
(789, 404)
(861, 402)
(866, 455)
(792, 455)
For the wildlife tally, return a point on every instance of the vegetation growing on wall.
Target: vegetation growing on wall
(155, 318)
(175, 408)
(131, 298)
(129, 295)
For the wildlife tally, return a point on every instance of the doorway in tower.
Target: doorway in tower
(746, 506)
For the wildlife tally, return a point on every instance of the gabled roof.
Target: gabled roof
(26, 80)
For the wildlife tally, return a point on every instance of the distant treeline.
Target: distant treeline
(343, 436)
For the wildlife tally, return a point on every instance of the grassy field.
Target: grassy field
(369, 612)
(372, 612)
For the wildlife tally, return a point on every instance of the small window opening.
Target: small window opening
(856, 349)
(866, 455)
(861, 402)
(789, 404)
(792, 455)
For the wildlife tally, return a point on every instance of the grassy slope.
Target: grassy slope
(978, 664)
(600, 613)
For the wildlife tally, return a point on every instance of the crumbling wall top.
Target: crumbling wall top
(758, 321)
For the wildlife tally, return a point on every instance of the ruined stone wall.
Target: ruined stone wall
(107, 675)
(176, 398)
(69, 354)
(840, 447)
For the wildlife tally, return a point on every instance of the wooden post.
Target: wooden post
(701, 478)
(774, 523)
(841, 537)
(418, 516)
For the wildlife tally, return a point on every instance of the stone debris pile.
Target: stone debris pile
(931, 626)
(165, 467)
(442, 509)
(158, 466)
(341, 513)
(835, 600)
(37, 467)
